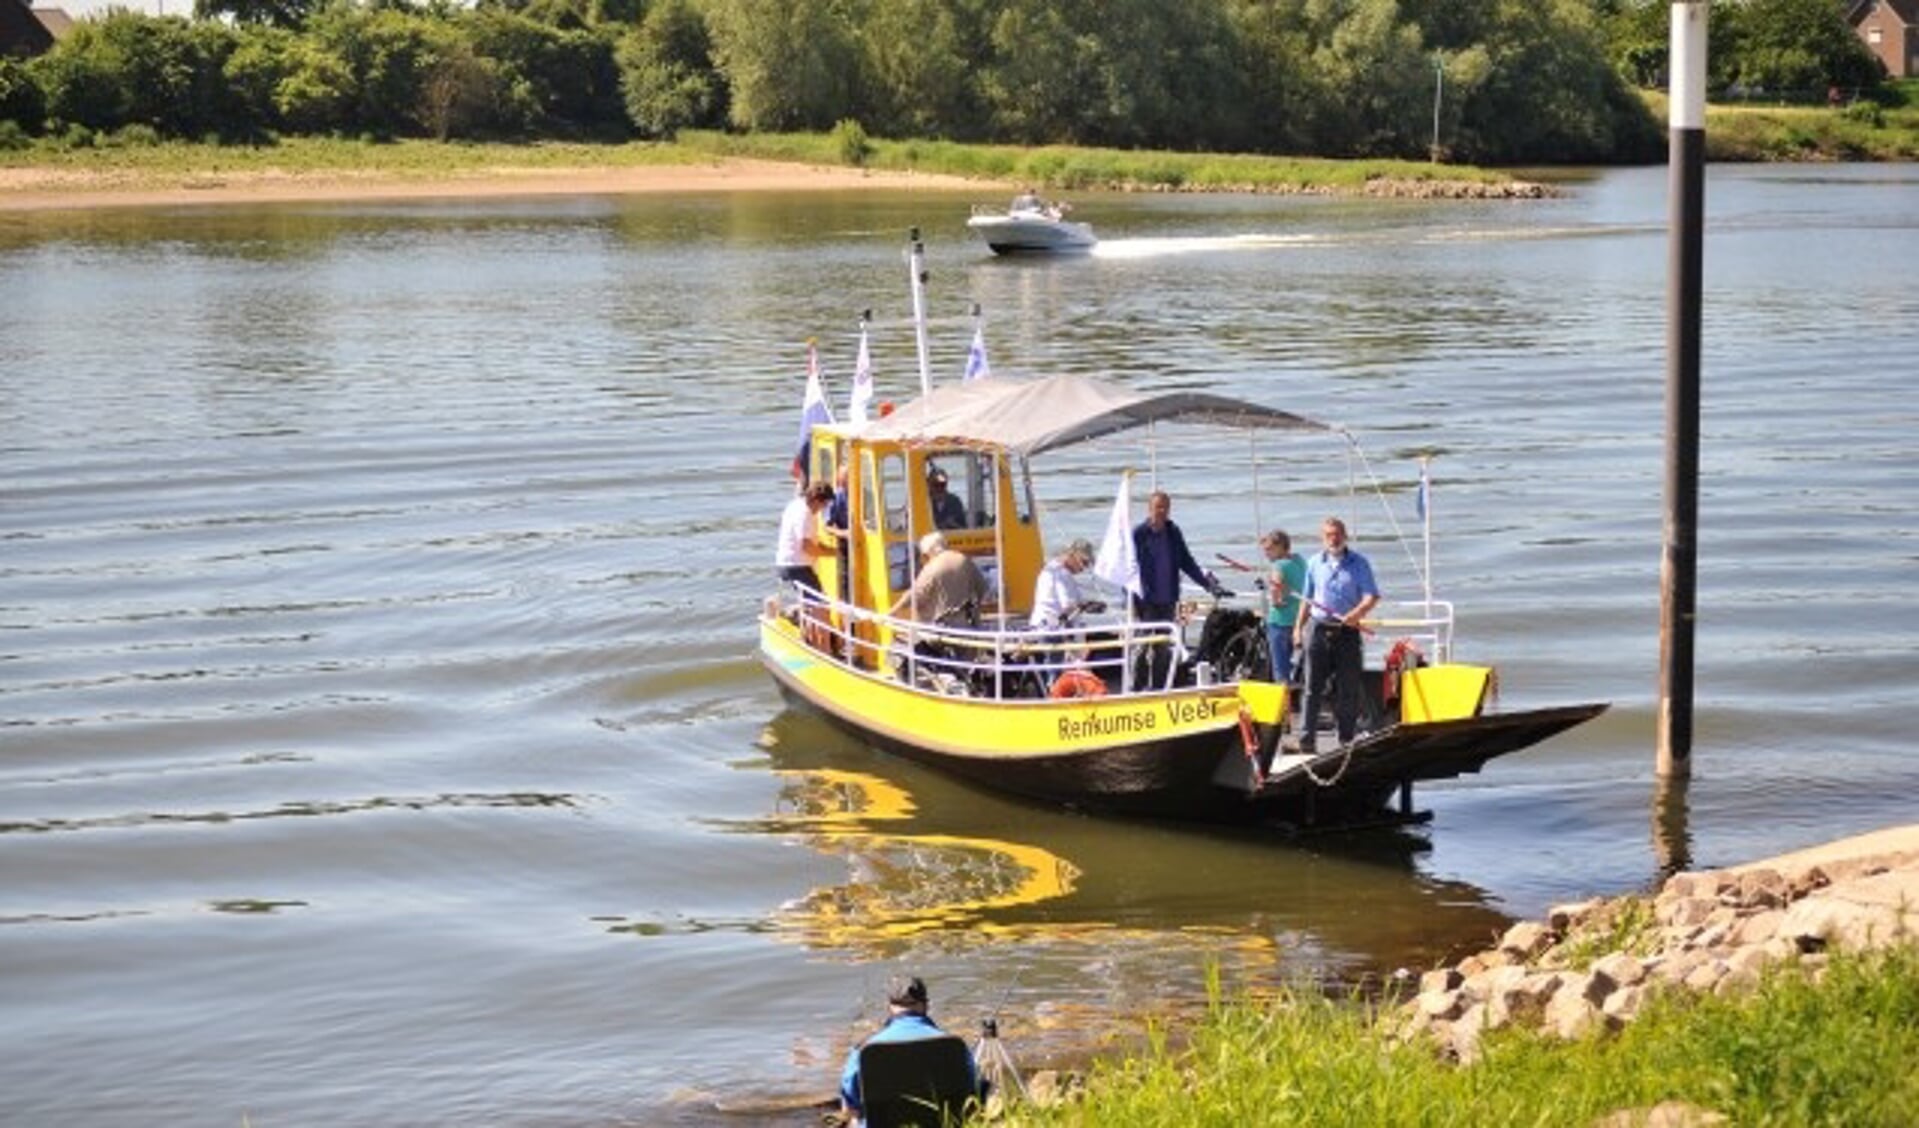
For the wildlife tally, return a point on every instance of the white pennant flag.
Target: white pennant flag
(1116, 562)
(976, 367)
(862, 393)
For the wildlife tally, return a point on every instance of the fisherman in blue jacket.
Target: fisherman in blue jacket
(906, 1021)
(1160, 548)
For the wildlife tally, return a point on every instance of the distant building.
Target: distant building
(55, 20)
(22, 35)
(1890, 29)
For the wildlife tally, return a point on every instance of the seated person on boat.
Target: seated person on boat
(949, 590)
(1056, 595)
(948, 511)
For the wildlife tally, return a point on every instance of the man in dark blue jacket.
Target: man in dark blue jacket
(1161, 550)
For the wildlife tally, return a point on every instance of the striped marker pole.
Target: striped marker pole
(1678, 595)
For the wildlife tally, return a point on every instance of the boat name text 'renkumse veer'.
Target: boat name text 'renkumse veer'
(1140, 720)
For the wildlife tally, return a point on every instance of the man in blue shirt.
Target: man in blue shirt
(1160, 548)
(906, 1021)
(1338, 594)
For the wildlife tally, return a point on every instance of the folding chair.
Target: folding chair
(924, 1082)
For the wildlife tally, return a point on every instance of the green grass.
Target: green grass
(1886, 129)
(1841, 1051)
(1072, 167)
(134, 159)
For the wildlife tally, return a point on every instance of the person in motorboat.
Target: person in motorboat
(1284, 579)
(799, 545)
(949, 590)
(949, 512)
(1160, 548)
(1027, 201)
(1056, 595)
(1338, 593)
(906, 1021)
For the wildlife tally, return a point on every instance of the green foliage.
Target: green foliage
(790, 64)
(12, 137)
(1523, 80)
(666, 72)
(22, 103)
(849, 139)
(1839, 1051)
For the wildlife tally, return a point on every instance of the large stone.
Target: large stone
(1523, 1001)
(1526, 939)
(1623, 1005)
(1683, 912)
(1762, 889)
(1827, 921)
(1621, 968)
(1758, 928)
(1440, 979)
(1570, 1014)
(1441, 1004)
(1665, 1114)
(1564, 918)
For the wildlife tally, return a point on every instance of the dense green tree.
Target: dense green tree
(270, 13)
(920, 61)
(1377, 83)
(667, 74)
(1282, 95)
(789, 64)
(1549, 93)
(1046, 81)
(567, 78)
(22, 102)
(316, 90)
(1800, 46)
(129, 68)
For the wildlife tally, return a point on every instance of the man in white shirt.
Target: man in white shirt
(799, 542)
(1056, 595)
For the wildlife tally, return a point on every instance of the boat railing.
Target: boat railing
(1011, 660)
(1426, 624)
(1007, 660)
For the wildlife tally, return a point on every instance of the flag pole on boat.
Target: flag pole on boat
(916, 272)
(1423, 505)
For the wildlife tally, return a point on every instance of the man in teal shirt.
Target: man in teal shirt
(1283, 584)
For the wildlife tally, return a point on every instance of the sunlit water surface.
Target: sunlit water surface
(380, 736)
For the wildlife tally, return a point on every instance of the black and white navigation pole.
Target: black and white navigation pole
(1678, 576)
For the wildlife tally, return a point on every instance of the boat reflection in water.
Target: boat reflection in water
(918, 870)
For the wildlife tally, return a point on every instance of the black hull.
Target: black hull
(1207, 778)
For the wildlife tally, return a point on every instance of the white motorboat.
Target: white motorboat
(1031, 226)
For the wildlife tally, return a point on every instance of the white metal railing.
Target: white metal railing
(1005, 661)
(1014, 661)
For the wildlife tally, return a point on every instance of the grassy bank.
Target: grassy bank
(1883, 130)
(1071, 167)
(136, 161)
(1842, 1050)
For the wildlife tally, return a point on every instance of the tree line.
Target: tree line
(1489, 81)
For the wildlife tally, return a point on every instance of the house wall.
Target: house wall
(1897, 41)
(21, 33)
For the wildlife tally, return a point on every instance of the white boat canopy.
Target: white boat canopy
(1030, 416)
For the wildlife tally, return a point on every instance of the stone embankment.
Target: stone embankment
(1593, 964)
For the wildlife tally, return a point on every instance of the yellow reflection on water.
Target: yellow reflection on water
(900, 885)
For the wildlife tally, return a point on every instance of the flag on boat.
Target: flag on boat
(976, 367)
(862, 393)
(813, 409)
(1420, 499)
(1116, 563)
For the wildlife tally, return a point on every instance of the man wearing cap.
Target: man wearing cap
(1056, 596)
(948, 511)
(948, 584)
(906, 1021)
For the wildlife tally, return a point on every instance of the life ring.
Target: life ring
(1077, 683)
(1404, 655)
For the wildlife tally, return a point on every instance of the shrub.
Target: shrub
(850, 142)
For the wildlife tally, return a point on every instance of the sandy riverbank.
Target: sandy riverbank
(57, 189)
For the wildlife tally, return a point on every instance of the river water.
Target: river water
(381, 739)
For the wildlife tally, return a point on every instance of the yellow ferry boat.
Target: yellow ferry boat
(1073, 715)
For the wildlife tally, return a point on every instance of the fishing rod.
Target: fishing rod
(1315, 604)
